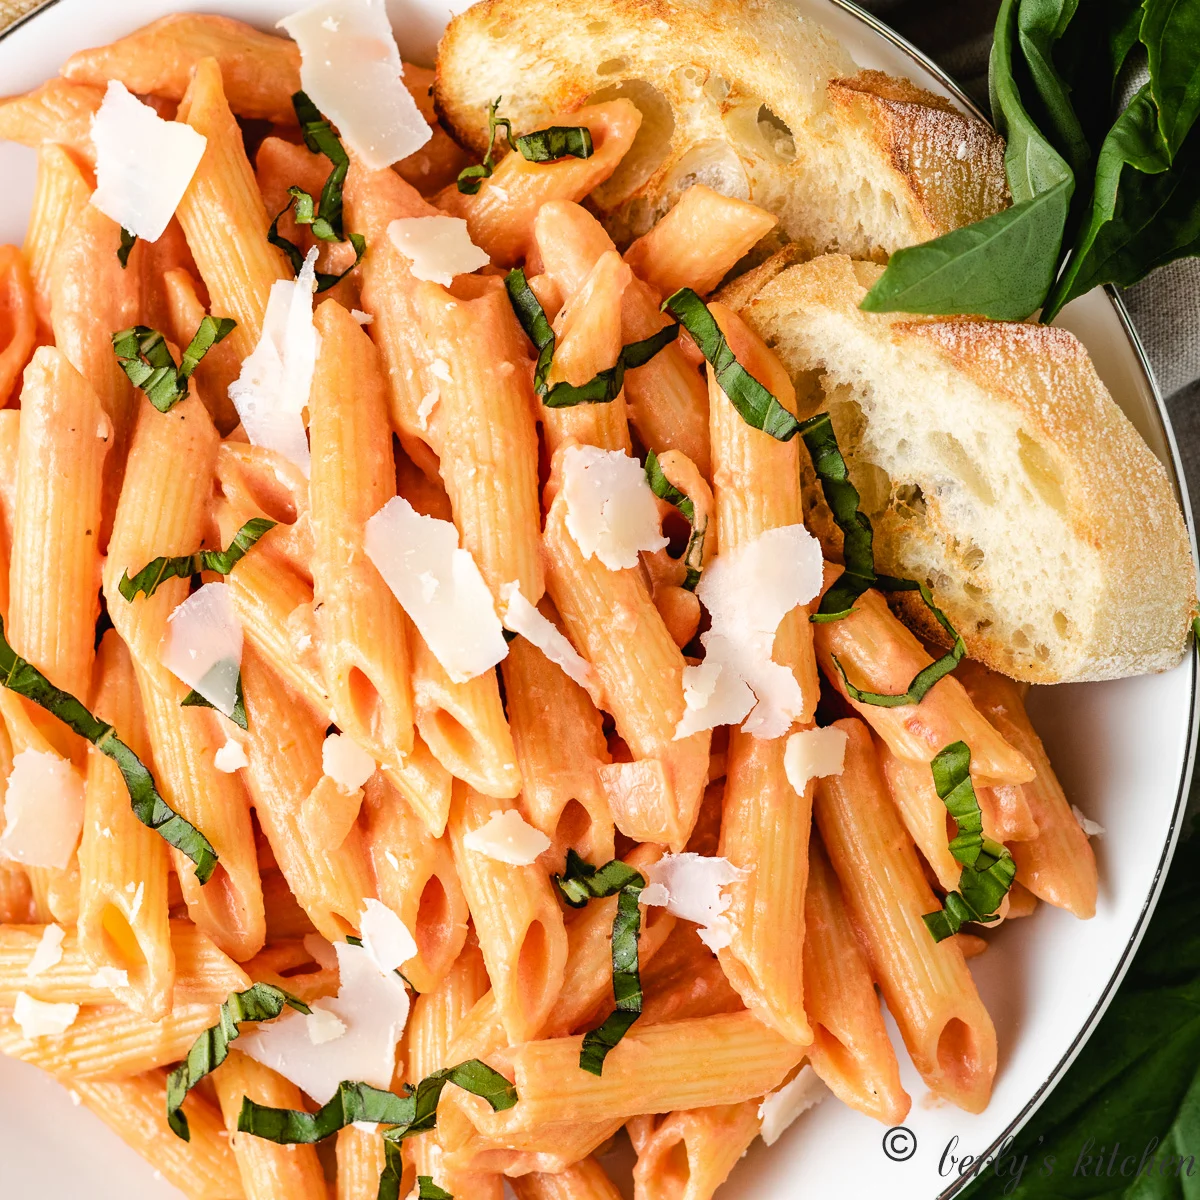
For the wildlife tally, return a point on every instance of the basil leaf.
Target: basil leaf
(148, 806)
(320, 139)
(1170, 32)
(988, 868)
(261, 1002)
(664, 489)
(753, 402)
(143, 355)
(471, 178)
(559, 141)
(392, 1178)
(412, 1112)
(194, 700)
(127, 241)
(533, 320)
(183, 566)
(324, 279)
(428, 1190)
(606, 385)
(583, 882)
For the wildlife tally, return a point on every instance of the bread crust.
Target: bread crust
(747, 96)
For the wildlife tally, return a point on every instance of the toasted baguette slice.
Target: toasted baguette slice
(747, 96)
(996, 468)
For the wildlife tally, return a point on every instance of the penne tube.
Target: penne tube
(880, 654)
(109, 1042)
(61, 191)
(360, 1163)
(1058, 865)
(911, 786)
(517, 919)
(260, 71)
(58, 112)
(698, 242)
(850, 1050)
(202, 1168)
(268, 1171)
(415, 877)
(584, 1180)
(689, 1154)
(1009, 808)
(363, 645)
(927, 986)
(425, 784)
(220, 366)
(550, 1150)
(223, 215)
(482, 428)
(120, 926)
(667, 399)
(283, 745)
(18, 319)
(685, 980)
(501, 215)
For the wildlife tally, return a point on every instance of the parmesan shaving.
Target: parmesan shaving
(110, 978)
(346, 762)
(814, 754)
(438, 249)
(230, 757)
(48, 952)
(203, 645)
(39, 1018)
(611, 511)
(143, 163)
(692, 887)
(781, 1108)
(1089, 827)
(350, 68)
(457, 616)
(43, 810)
(508, 838)
(523, 618)
(385, 937)
(323, 1026)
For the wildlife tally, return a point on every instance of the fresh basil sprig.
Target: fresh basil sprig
(127, 242)
(148, 806)
(988, 868)
(184, 566)
(428, 1190)
(194, 700)
(664, 489)
(411, 1112)
(604, 386)
(260, 1002)
(755, 404)
(543, 145)
(580, 883)
(143, 355)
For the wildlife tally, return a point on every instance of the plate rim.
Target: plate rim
(1179, 479)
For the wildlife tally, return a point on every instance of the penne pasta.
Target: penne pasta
(59, 112)
(220, 366)
(688, 1155)
(584, 1180)
(360, 1162)
(18, 319)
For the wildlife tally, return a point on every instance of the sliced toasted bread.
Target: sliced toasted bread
(996, 468)
(747, 96)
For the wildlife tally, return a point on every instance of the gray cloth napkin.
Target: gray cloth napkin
(1165, 307)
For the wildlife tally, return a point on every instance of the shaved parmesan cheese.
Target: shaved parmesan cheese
(521, 617)
(271, 392)
(611, 511)
(323, 1025)
(350, 68)
(508, 838)
(438, 248)
(38, 1018)
(110, 978)
(143, 163)
(346, 762)
(1091, 828)
(363, 318)
(691, 886)
(783, 1106)
(456, 617)
(48, 952)
(385, 937)
(814, 754)
(43, 810)
(372, 1004)
(748, 592)
(203, 645)
(230, 757)
(321, 951)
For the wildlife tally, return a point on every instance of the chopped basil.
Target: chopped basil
(325, 279)
(183, 566)
(753, 402)
(261, 1002)
(428, 1190)
(392, 1178)
(143, 355)
(988, 868)
(583, 882)
(411, 1112)
(194, 700)
(664, 489)
(604, 386)
(541, 146)
(148, 806)
(127, 241)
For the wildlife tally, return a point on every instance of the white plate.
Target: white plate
(1124, 751)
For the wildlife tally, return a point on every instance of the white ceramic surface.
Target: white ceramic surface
(1124, 751)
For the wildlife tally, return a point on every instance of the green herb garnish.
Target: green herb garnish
(988, 868)
(127, 241)
(148, 806)
(143, 355)
(580, 883)
(194, 700)
(261, 1002)
(664, 489)
(428, 1190)
(184, 566)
